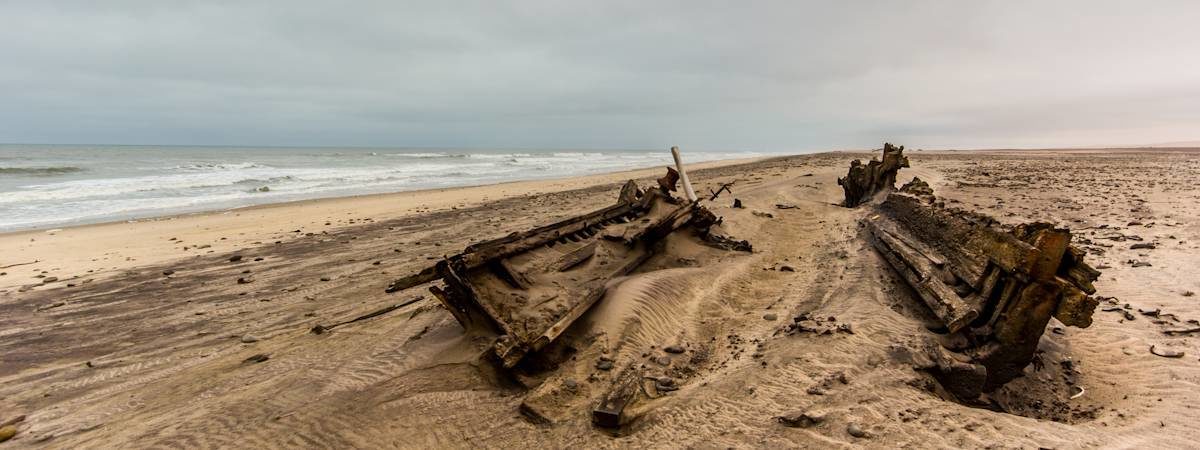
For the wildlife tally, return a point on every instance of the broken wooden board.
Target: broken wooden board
(996, 285)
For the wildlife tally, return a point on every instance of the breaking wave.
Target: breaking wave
(40, 171)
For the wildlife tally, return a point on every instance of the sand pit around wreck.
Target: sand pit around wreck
(137, 357)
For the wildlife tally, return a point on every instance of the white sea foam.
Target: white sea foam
(122, 182)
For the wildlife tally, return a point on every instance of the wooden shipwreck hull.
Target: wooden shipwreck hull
(993, 287)
(529, 287)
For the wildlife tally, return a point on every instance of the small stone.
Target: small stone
(570, 384)
(324, 278)
(49, 280)
(604, 365)
(801, 419)
(261, 357)
(168, 272)
(245, 280)
(673, 349)
(235, 258)
(661, 360)
(854, 430)
(7, 432)
(249, 338)
(815, 390)
(786, 269)
(770, 316)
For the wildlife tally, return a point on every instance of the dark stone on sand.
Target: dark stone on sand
(1143, 245)
(245, 280)
(49, 280)
(673, 349)
(261, 357)
(604, 365)
(168, 272)
(737, 203)
(786, 269)
(770, 316)
(235, 258)
(249, 338)
(801, 419)
(324, 278)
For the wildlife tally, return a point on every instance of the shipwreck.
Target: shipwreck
(992, 287)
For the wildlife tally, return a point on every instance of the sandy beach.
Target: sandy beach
(140, 334)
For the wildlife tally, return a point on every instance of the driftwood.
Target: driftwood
(994, 285)
(863, 182)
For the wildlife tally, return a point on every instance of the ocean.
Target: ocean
(44, 186)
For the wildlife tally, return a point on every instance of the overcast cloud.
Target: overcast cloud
(601, 74)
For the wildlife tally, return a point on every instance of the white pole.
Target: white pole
(687, 184)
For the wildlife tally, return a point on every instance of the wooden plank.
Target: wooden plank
(920, 273)
(505, 271)
(575, 257)
(611, 411)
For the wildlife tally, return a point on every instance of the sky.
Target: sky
(748, 75)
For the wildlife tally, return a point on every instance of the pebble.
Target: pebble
(49, 280)
(261, 357)
(245, 280)
(7, 432)
(324, 278)
(770, 316)
(249, 338)
(168, 272)
(235, 258)
(854, 430)
(604, 365)
(673, 349)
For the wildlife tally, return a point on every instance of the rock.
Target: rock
(604, 364)
(855, 430)
(249, 338)
(737, 204)
(7, 432)
(235, 258)
(570, 384)
(245, 280)
(1143, 245)
(786, 269)
(261, 357)
(661, 360)
(49, 280)
(168, 272)
(770, 316)
(815, 390)
(673, 349)
(324, 278)
(785, 206)
(801, 419)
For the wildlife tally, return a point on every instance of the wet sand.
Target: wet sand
(129, 355)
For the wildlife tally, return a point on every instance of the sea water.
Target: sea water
(45, 186)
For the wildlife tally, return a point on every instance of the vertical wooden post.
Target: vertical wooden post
(687, 184)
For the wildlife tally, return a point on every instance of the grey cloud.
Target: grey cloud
(744, 75)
